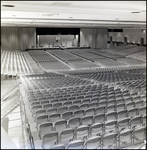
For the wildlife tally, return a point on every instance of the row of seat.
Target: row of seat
(13, 63)
(139, 56)
(77, 139)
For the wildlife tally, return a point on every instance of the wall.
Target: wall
(95, 38)
(67, 40)
(17, 38)
(133, 36)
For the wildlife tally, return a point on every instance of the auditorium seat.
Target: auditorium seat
(93, 142)
(49, 140)
(66, 136)
(76, 144)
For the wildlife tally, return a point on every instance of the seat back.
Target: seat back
(96, 129)
(51, 111)
(123, 124)
(139, 135)
(62, 109)
(74, 122)
(82, 132)
(66, 136)
(41, 119)
(122, 114)
(87, 120)
(111, 116)
(135, 121)
(90, 111)
(109, 140)
(79, 113)
(60, 125)
(100, 110)
(77, 144)
(49, 140)
(54, 117)
(93, 143)
(73, 108)
(45, 128)
(100, 118)
(67, 115)
(110, 126)
(125, 138)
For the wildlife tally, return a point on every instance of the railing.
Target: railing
(28, 141)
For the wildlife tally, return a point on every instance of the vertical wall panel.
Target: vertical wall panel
(95, 38)
(18, 38)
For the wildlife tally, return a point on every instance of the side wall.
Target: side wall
(17, 38)
(133, 36)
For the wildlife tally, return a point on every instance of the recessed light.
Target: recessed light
(8, 5)
(13, 15)
(135, 12)
(70, 17)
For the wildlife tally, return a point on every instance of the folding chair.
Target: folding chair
(40, 119)
(60, 125)
(38, 113)
(67, 104)
(123, 124)
(74, 122)
(54, 117)
(67, 115)
(49, 140)
(66, 136)
(109, 141)
(57, 105)
(73, 108)
(93, 143)
(45, 127)
(93, 105)
(87, 120)
(135, 121)
(76, 144)
(90, 111)
(122, 114)
(59, 146)
(139, 135)
(96, 129)
(79, 113)
(132, 112)
(111, 116)
(51, 111)
(125, 138)
(82, 132)
(100, 109)
(142, 110)
(47, 106)
(130, 105)
(110, 108)
(62, 109)
(110, 126)
(99, 118)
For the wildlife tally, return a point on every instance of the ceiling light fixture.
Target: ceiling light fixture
(135, 12)
(8, 5)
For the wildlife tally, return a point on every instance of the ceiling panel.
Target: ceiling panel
(90, 12)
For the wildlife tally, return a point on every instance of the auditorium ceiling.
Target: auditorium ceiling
(91, 14)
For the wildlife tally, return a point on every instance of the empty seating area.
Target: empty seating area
(13, 63)
(86, 115)
(127, 50)
(140, 56)
(47, 62)
(84, 99)
(112, 75)
(47, 81)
